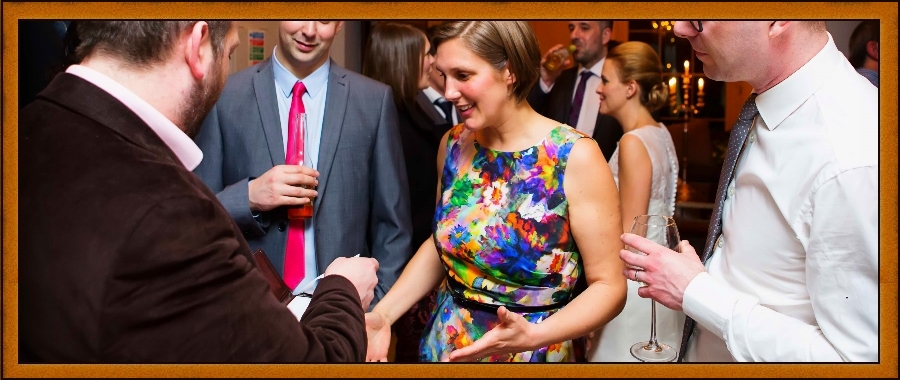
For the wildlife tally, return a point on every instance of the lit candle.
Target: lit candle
(687, 67)
(672, 83)
(700, 85)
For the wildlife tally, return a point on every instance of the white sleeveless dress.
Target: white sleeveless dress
(613, 342)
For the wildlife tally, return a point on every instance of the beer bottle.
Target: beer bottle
(556, 59)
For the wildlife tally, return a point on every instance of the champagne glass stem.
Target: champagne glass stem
(653, 345)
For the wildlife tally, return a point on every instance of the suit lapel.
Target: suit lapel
(264, 87)
(428, 108)
(332, 123)
(567, 80)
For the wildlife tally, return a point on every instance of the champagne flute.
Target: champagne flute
(660, 230)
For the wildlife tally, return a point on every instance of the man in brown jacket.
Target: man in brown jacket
(124, 254)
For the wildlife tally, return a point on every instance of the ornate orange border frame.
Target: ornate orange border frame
(886, 12)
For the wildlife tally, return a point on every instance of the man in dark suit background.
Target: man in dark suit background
(124, 254)
(556, 93)
(356, 174)
(432, 100)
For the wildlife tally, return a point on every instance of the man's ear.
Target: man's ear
(605, 35)
(198, 50)
(872, 49)
(778, 27)
(337, 29)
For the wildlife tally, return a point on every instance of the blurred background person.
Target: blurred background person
(124, 254)
(353, 173)
(504, 249)
(42, 54)
(864, 49)
(431, 99)
(645, 169)
(566, 94)
(399, 55)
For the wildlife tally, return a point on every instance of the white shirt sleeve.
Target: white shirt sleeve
(841, 277)
(545, 88)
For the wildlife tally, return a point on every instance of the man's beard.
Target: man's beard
(201, 99)
(584, 59)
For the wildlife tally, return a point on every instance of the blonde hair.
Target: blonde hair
(499, 43)
(638, 61)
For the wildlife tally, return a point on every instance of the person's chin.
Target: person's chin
(307, 58)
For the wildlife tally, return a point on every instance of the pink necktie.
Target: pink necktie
(294, 257)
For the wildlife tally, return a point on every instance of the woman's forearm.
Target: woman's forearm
(422, 274)
(590, 311)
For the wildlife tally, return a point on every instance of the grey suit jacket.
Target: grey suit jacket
(363, 202)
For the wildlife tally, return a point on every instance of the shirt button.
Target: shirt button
(282, 226)
(731, 190)
(753, 137)
(721, 241)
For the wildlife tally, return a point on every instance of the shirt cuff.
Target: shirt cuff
(261, 218)
(545, 88)
(710, 303)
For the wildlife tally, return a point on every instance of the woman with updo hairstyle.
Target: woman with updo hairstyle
(645, 169)
(525, 244)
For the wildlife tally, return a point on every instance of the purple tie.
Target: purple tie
(579, 98)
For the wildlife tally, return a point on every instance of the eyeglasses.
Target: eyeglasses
(698, 25)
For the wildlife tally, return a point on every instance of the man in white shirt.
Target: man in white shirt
(124, 254)
(569, 96)
(794, 274)
(432, 100)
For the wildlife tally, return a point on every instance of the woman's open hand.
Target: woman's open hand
(378, 332)
(514, 334)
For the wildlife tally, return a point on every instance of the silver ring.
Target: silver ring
(635, 276)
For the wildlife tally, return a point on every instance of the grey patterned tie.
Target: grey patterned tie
(735, 147)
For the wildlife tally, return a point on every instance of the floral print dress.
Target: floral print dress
(502, 232)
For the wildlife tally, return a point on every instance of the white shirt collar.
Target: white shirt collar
(183, 146)
(597, 68)
(784, 98)
(314, 82)
(432, 94)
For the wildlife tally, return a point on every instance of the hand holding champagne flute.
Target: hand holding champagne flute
(661, 230)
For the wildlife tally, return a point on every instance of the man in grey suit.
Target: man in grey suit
(355, 174)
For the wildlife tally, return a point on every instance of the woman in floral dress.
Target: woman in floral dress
(527, 223)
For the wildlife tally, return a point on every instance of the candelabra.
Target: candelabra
(688, 108)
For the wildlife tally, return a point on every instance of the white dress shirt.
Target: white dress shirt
(314, 103)
(794, 275)
(433, 95)
(590, 106)
(183, 146)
